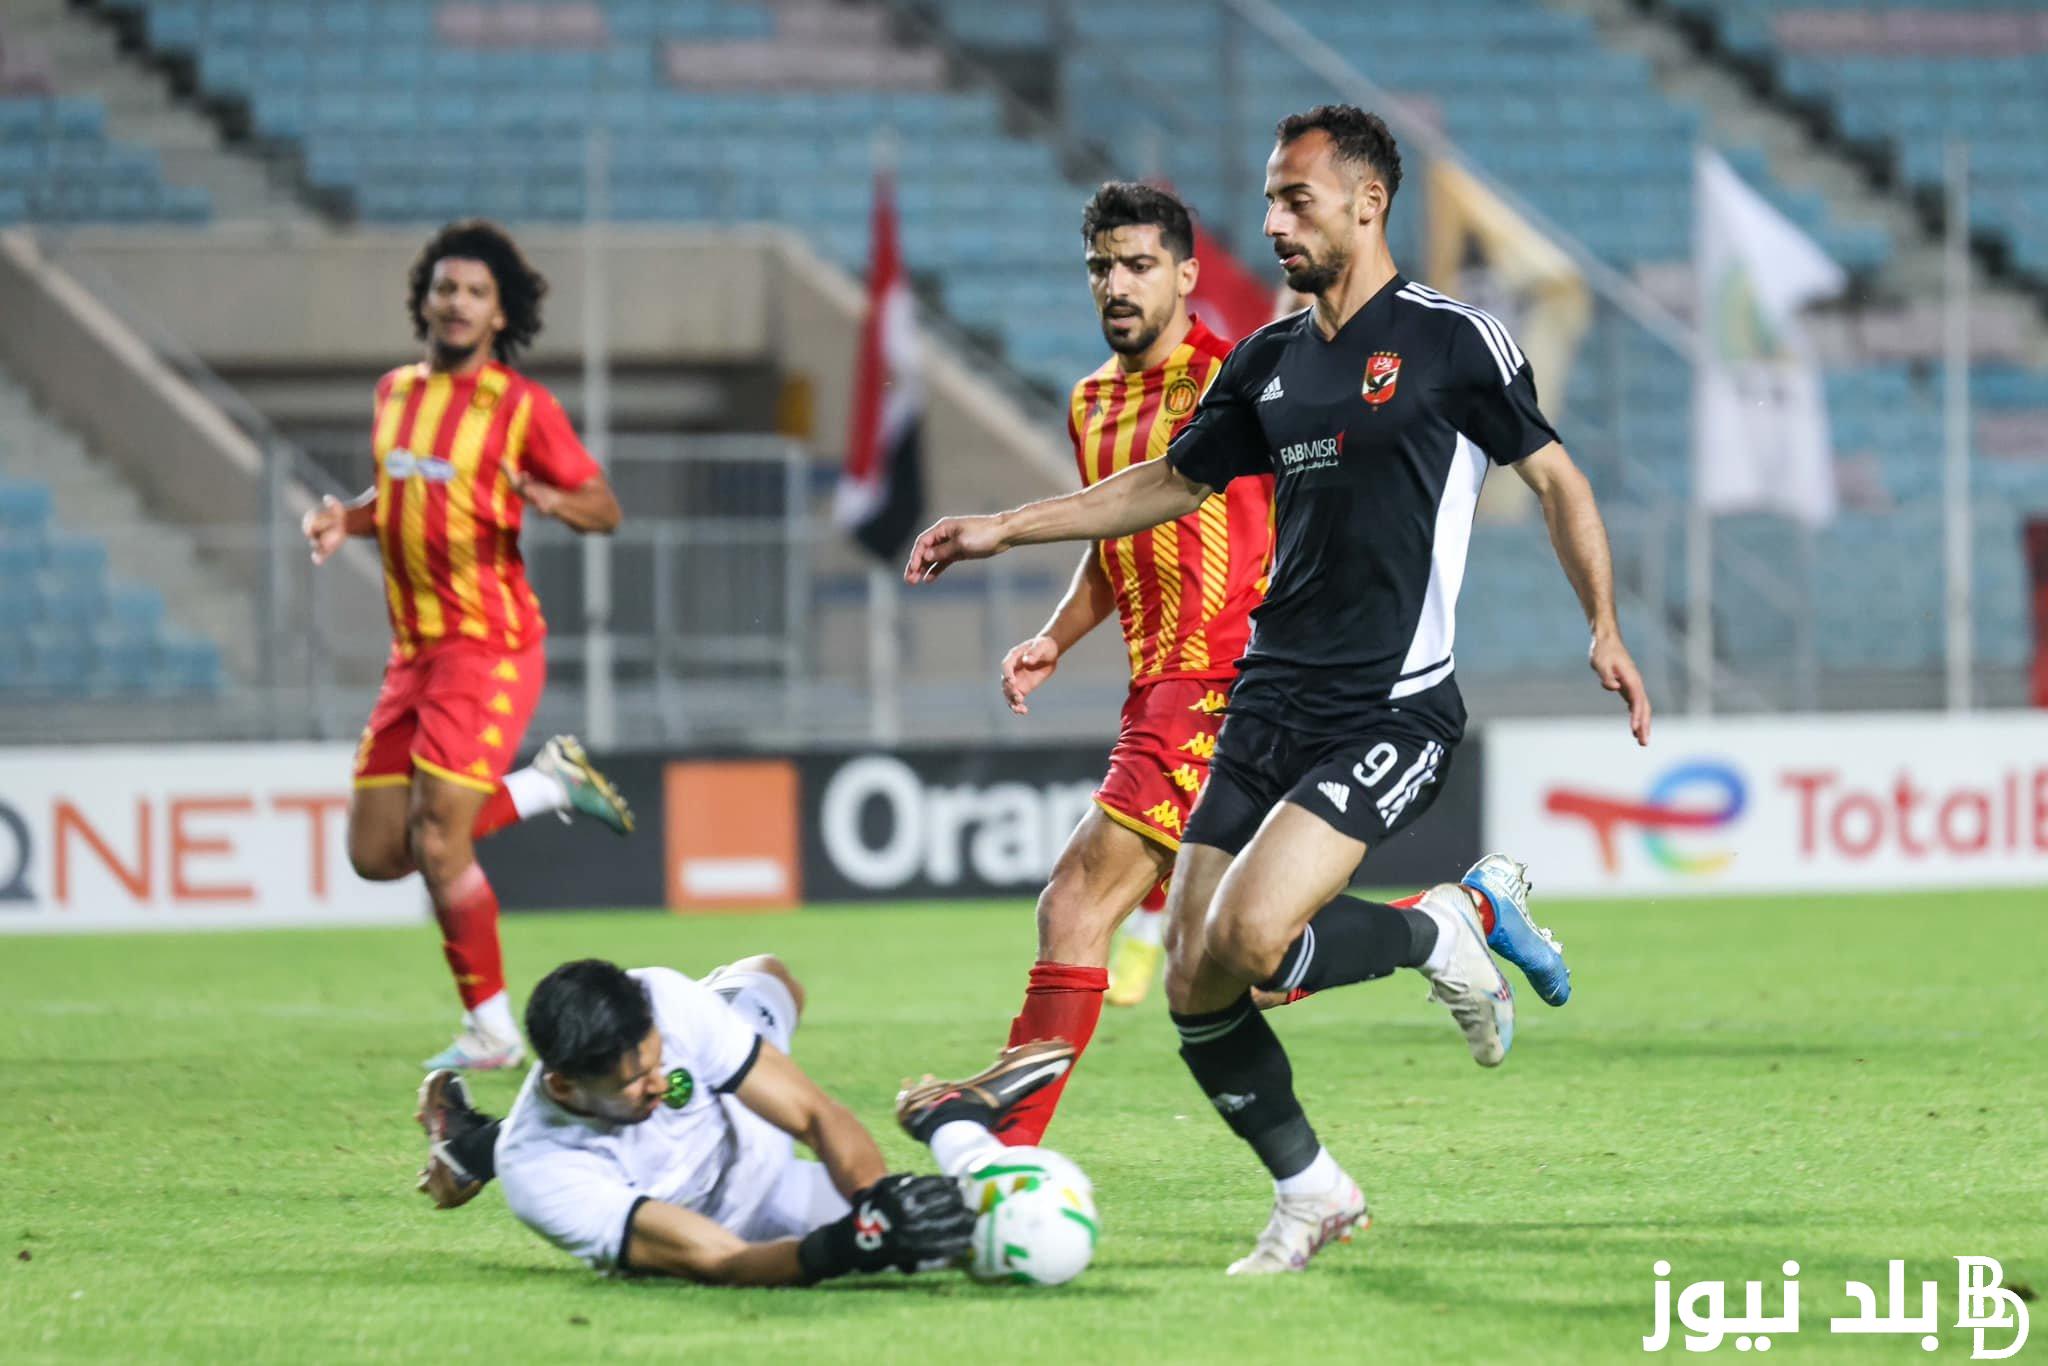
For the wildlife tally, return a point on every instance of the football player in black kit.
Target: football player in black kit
(1379, 411)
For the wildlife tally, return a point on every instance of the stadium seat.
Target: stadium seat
(1575, 129)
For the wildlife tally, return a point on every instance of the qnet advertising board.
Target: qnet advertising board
(184, 837)
(1790, 803)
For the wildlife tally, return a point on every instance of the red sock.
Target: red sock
(1485, 907)
(1063, 1001)
(469, 936)
(497, 813)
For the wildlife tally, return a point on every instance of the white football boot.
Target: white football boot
(476, 1051)
(589, 791)
(1464, 978)
(1301, 1226)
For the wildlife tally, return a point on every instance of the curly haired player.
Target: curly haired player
(463, 445)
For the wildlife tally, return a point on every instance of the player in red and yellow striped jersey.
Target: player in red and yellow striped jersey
(1183, 593)
(463, 445)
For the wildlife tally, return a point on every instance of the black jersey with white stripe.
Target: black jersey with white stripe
(1379, 439)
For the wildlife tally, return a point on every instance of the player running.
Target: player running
(1378, 412)
(463, 444)
(1183, 593)
(657, 1134)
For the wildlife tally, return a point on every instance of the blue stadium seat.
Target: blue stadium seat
(60, 658)
(188, 666)
(135, 609)
(24, 508)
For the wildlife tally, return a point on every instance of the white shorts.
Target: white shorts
(761, 999)
(802, 1197)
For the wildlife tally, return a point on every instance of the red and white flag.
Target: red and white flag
(880, 497)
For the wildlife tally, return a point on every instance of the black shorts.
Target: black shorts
(1368, 785)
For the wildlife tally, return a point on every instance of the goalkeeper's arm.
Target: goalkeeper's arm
(902, 1222)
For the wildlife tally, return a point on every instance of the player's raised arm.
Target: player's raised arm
(1089, 601)
(1140, 497)
(1580, 539)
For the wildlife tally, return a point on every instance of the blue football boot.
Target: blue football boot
(1515, 937)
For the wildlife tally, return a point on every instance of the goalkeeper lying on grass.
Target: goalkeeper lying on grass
(658, 1134)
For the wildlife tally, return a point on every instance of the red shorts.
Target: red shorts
(456, 710)
(1161, 758)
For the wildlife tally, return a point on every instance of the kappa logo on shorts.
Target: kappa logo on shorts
(1187, 777)
(1210, 702)
(1165, 816)
(1382, 373)
(1339, 795)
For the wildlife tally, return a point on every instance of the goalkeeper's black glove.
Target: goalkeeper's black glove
(910, 1223)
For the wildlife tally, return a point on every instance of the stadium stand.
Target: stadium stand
(68, 628)
(57, 165)
(1901, 79)
(750, 110)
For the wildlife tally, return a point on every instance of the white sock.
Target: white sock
(958, 1142)
(1147, 927)
(494, 1017)
(1320, 1175)
(533, 792)
(1446, 931)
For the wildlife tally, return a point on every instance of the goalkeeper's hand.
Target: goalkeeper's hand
(902, 1222)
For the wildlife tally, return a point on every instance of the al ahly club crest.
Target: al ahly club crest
(1382, 373)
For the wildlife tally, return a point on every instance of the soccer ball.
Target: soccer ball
(1035, 1218)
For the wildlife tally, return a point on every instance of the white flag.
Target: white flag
(1760, 419)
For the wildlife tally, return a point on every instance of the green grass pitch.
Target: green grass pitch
(206, 1145)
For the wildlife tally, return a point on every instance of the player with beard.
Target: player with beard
(1377, 412)
(463, 444)
(1183, 593)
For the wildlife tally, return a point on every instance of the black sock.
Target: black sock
(1354, 941)
(961, 1106)
(476, 1152)
(1239, 1064)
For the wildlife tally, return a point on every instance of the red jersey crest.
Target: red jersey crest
(1382, 373)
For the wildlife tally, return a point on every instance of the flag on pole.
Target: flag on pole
(880, 498)
(1760, 418)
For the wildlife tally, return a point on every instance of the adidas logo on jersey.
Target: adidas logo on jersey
(1272, 390)
(1339, 795)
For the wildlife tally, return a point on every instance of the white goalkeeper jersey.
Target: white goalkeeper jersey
(576, 1180)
